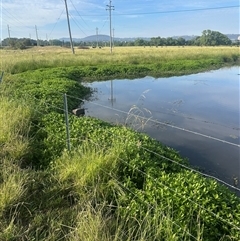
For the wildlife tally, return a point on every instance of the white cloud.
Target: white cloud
(85, 14)
(31, 12)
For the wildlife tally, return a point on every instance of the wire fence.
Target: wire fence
(159, 122)
(234, 178)
(159, 184)
(68, 136)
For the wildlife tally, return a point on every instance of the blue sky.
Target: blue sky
(131, 18)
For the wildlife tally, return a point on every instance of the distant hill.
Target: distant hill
(93, 38)
(101, 38)
(233, 36)
(105, 38)
(186, 37)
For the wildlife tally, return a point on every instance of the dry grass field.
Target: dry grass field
(38, 57)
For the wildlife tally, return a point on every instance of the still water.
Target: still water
(197, 114)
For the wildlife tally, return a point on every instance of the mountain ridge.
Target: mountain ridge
(105, 38)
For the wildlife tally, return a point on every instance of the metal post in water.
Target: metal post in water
(112, 99)
(67, 122)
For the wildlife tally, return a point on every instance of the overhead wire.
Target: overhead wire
(169, 11)
(122, 14)
(56, 23)
(181, 11)
(79, 14)
(77, 24)
(16, 19)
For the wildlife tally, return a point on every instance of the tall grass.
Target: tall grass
(81, 197)
(90, 173)
(14, 128)
(89, 194)
(15, 61)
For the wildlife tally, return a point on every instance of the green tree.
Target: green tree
(140, 42)
(213, 38)
(181, 41)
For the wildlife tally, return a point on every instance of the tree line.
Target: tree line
(208, 38)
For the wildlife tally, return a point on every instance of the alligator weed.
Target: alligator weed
(111, 185)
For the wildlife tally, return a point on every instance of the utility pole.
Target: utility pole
(69, 29)
(113, 38)
(97, 36)
(110, 8)
(9, 37)
(37, 35)
(30, 39)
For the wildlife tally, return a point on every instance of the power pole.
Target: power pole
(9, 38)
(37, 35)
(30, 39)
(97, 36)
(69, 29)
(113, 38)
(110, 8)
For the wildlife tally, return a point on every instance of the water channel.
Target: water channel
(198, 115)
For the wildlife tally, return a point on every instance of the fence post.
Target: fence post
(67, 122)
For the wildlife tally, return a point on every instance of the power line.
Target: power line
(56, 23)
(180, 11)
(77, 24)
(79, 14)
(16, 19)
(170, 11)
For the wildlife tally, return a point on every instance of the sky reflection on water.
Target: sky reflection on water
(207, 103)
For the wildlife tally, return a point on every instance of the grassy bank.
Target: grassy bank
(111, 186)
(123, 62)
(109, 183)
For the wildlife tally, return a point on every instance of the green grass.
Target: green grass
(99, 187)
(124, 62)
(108, 187)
